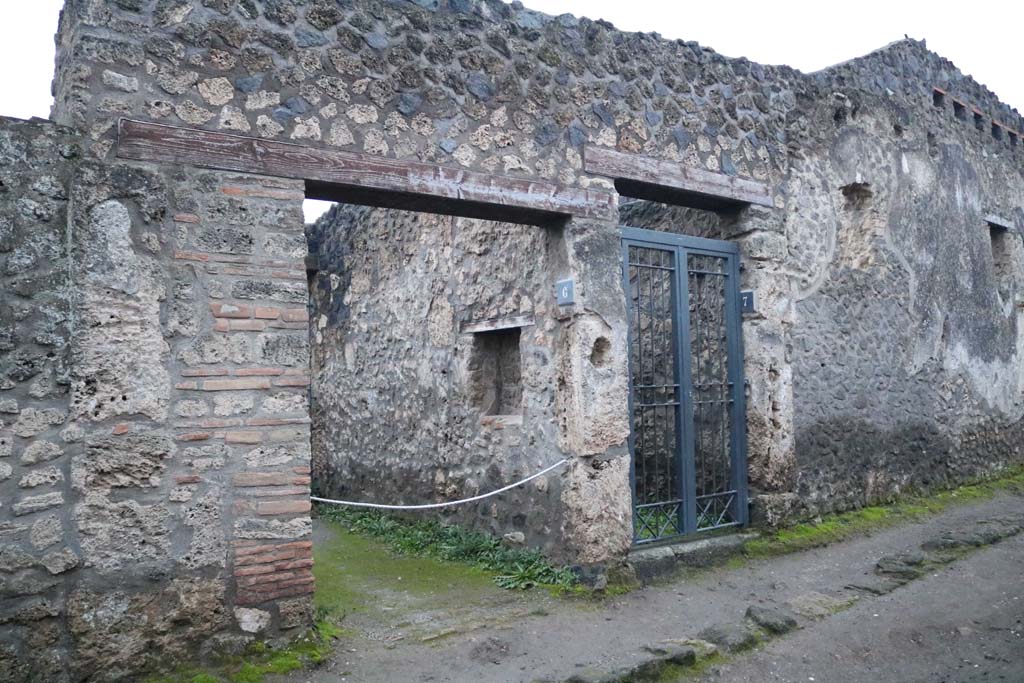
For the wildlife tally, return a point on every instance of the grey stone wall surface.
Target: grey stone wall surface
(480, 84)
(154, 439)
(402, 304)
(905, 335)
(484, 86)
(37, 550)
(189, 392)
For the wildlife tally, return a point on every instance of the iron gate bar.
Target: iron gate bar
(653, 239)
(738, 403)
(697, 439)
(733, 403)
(684, 514)
(650, 267)
(713, 379)
(714, 464)
(651, 294)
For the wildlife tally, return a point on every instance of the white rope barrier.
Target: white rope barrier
(428, 506)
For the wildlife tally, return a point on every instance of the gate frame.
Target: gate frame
(684, 245)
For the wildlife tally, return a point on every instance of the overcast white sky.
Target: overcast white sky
(982, 38)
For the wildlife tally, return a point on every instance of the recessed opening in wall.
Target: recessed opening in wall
(979, 120)
(601, 353)
(1013, 138)
(938, 98)
(496, 378)
(997, 131)
(960, 110)
(857, 194)
(418, 356)
(1002, 255)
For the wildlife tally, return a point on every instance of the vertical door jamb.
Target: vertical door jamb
(628, 288)
(734, 333)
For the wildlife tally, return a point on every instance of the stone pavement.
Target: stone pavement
(927, 601)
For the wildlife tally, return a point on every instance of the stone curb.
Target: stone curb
(898, 570)
(759, 625)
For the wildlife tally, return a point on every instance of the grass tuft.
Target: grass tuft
(514, 568)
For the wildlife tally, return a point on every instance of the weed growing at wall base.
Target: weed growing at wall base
(259, 659)
(514, 568)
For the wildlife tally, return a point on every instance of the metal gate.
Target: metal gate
(688, 437)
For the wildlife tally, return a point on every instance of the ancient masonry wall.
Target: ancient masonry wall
(155, 438)
(36, 548)
(409, 311)
(483, 86)
(154, 340)
(907, 353)
(412, 317)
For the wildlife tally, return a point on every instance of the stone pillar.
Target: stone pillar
(240, 370)
(188, 414)
(760, 234)
(243, 380)
(593, 397)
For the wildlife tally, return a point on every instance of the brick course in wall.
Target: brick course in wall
(172, 451)
(268, 339)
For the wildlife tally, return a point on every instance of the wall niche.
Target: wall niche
(495, 372)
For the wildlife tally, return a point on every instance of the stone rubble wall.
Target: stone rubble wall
(154, 443)
(906, 345)
(469, 83)
(478, 85)
(190, 383)
(153, 323)
(394, 416)
(396, 298)
(37, 545)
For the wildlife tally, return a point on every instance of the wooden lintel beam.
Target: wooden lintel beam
(674, 177)
(348, 174)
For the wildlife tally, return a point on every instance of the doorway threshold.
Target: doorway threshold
(662, 560)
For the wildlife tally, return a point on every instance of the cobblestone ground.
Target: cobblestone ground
(937, 600)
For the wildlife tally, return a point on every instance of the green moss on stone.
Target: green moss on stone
(838, 527)
(259, 660)
(696, 671)
(351, 570)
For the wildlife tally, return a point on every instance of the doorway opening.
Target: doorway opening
(432, 380)
(432, 373)
(688, 438)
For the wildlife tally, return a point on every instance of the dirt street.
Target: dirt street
(953, 621)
